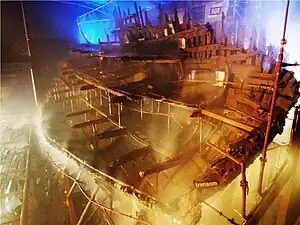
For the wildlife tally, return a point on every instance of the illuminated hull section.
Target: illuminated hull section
(175, 124)
(158, 162)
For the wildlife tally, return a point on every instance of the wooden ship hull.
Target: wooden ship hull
(176, 124)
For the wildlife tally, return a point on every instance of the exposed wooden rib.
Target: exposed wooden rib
(111, 133)
(131, 156)
(242, 126)
(179, 160)
(118, 99)
(68, 72)
(161, 61)
(87, 87)
(248, 102)
(61, 91)
(63, 99)
(88, 123)
(104, 135)
(78, 113)
(203, 48)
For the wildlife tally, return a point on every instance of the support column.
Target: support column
(244, 185)
(152, 105)
(81, 219)
(73, 185)
(273, 102)
(109, 104)
(100, 96)
(91, 215)
(119, 114)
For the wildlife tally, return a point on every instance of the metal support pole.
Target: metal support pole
(230, 220)
(152, 105)
(91, 215)
(244, 185)
(263, 157)
(90, 96)
(100, 95)
(119, 114)
(73, 185)
(25, 29)
(81, 219)
(109, 104)
(29, 54)
(100, 63)
(72, 106)
(33, 87)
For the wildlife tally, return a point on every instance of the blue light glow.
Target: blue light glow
(99, 23)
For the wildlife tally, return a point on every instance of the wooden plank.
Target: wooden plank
(131, 156)
(111, 133)
(203, 48)
(89, 123)
(224, 119)
(78, 113)
(157, 61)
(247, 102)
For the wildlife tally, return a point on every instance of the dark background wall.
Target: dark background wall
(51, 27)
(49, 22)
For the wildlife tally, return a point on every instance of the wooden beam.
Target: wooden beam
(130, 156)
(203, 48)
(78, 113)
(111, 133)
(87, 87)
(199, 113)
(162, 61)
(89, 123)
(179, 160)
